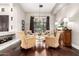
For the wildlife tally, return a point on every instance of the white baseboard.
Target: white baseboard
(75, 46)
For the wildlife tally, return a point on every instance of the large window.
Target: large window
(39, 24)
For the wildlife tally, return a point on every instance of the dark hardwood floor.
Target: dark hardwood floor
(63, 51)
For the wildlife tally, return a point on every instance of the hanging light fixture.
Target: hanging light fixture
(40, 6)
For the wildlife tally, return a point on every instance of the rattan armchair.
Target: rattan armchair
(27, 41)
(52, 41)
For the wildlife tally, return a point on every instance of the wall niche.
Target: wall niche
(2, 9)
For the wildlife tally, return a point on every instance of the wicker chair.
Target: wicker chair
(52, 41)
(27, 41)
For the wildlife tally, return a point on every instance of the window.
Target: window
(40, 24)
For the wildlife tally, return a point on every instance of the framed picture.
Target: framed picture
(23, 25)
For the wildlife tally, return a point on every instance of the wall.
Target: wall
(67, 11)
(71, 11)
(6, 12)
(17, 14)
(37, 14)
(74, 23)
(6, 8)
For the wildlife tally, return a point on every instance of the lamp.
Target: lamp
(40, 6)
(66, 20)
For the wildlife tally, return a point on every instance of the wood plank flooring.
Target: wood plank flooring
(63, 51)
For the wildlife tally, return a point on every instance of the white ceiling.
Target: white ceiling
(34, 7)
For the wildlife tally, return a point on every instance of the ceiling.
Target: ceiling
(34, 7)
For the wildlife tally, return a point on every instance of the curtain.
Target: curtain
(32, 24)
(47, 23)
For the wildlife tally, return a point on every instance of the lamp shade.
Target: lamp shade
(66, 20)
